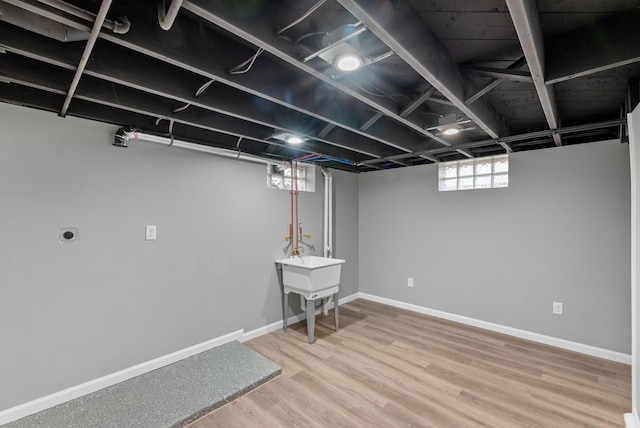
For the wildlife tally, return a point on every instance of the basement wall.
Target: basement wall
(73, 312)
(560, 232)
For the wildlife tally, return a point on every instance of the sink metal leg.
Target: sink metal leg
(311, 319)
(285, 305)
(335, 306)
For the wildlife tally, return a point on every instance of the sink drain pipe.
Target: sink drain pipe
(327, 239)
(327, 243)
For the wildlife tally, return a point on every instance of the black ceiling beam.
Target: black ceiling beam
(50, 101)
(524, 14)
(506, 74)
(200, 50)
(401, 28)
(610, 43)
(114, 64)
(259, 32)
(441, 151)
(494, 83)
(53, 79)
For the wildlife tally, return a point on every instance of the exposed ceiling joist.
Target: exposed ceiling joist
(610, 43)
(159, 79)
(213, 53)
(260, 33)
(494, 83)
(614, 123)
(50, 101)
(25, 72)
(524, 14)
(93, 36)
(400, 28)
(406, 110)
(506, 74)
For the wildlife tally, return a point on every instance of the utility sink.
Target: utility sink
(314, 278)
(310, 275)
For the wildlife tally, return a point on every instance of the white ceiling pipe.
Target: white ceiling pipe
(328, 228)
(134, 135)
(325, 238)
(167, 18)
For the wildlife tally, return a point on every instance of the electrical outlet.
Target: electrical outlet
(410, 282)
(151, 232)
(557, 308)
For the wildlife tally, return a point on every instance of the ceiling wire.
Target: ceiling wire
(182, 108)
(302, 17)
(304, 36)
(204, 87)
(238, 69)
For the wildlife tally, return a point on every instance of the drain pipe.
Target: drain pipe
(328, 228)
(95, 31)
(166, 18)
(325, 240)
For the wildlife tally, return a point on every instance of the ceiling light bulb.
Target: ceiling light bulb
(348, 62)
(451, 131)
(294, 139)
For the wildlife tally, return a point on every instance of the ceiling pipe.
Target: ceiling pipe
(167, 18)
(93, 36)
(123, 136)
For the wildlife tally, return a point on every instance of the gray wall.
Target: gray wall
(560, 232)
(70, 313)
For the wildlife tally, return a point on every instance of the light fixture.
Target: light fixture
(451, 130)
(348, 62)
(288, 137)
(295, 139)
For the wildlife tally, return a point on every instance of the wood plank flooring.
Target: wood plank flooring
(388, 367)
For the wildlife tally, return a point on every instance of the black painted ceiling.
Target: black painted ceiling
(508, 72)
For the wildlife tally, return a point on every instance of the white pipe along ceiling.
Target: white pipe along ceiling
(362, 84)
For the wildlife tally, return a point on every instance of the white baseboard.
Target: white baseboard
(292, 320)
(43, 403)
(523, 334)
(40, 404)
(631, 420)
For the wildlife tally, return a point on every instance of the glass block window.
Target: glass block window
(482, 173)
(279, 177)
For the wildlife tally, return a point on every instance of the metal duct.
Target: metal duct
(39, 24)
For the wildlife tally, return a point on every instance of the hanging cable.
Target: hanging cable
(184, 107)
(171, 132)
(250, 61)
(204, 87)
(303, 17)
(304, 36)
(238, 146)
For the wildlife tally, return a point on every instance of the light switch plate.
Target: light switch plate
(151, 232)
(558, 308)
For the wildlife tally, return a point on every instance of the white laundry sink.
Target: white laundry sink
(313, 278)
(309, 275)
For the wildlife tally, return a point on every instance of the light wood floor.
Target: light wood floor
(388, 367)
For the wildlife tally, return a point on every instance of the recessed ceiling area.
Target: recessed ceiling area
(507, 75)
